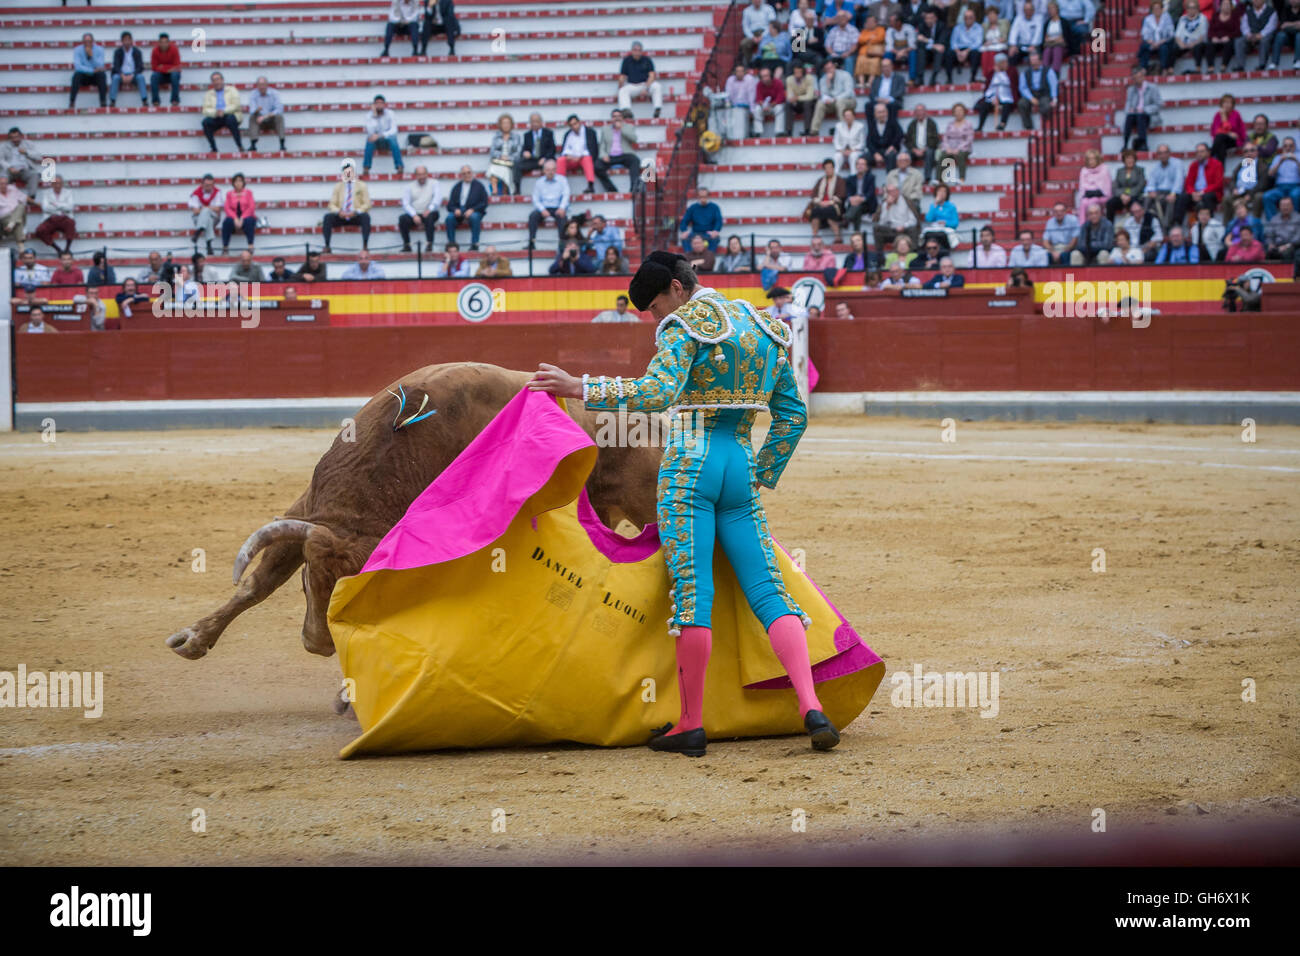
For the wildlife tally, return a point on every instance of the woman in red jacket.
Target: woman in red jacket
(241, 213)
(1227, 128)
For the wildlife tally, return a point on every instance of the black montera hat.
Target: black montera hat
(653, 277)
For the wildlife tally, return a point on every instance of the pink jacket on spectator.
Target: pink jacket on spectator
(958, 137)
(240, 205)
(1233, 125)
(1092, 178)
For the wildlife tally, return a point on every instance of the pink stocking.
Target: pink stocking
(790, 643)
(693, 647)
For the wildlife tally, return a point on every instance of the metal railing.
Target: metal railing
(658, 206)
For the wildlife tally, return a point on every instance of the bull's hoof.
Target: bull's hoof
(188, 643)
(342, 706)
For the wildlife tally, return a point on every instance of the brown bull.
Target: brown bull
(361, 488)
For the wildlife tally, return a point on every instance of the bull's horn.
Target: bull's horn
(293, 529)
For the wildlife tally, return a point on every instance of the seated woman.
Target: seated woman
(955, 144)
(735, 259)
(1054, 42)
(1225, 28)
(1124, 252)
(941, 219)
(1094, 183)
(901, 253)
(859, 258)
(871, 50)
(613, 264)
(503, 157)
(827, 205)
(1130, 184)
(996, 31)
(873, 281)
(1227, 128)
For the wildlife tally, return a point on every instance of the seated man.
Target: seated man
(1282, 232)
(1027, 254)
(617, 148)
(165, 67)
(947, 277)
(637, 78)
(221, 111)
(703, 218)
(699, 255)
(884, 138)
(128, 68)
(1177, 251)
(468, 203)
(1096, 239)
(964, 48)
(860, 196)
(420, 202)
(894, 218)
(1038, 89)
(769, 100)
(265, 113)
(363, 268)
(1061, 234)
(550, 202)
(279, 273)
(403, 17)
(349, 205)
(89, 68)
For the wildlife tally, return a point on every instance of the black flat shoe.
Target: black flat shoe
(821, 730)
(690, 742)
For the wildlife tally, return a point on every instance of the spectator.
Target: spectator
(947, 277)
(884, 138)
(800, 98)
(290, 297)
(550, 202)
(129, 298)
(186, 289)
(922, 141)
(1246, 249)
(579, 147)
(265, 113)
(842, 39)
(420, 201)
(29, 273)
(1206, 235)
(1203, 185)
(620, 312)
(1288, 31)
(1039, 86)
(1055, 37)
(1246, 181)
(381, 129)
(493, 265)
(404, 18)
(741, 88)
(834, 95)
(1096, 239)
(637, 78)
(221, 111)
(842, 311)
(165, 68)
(859, 194)
(753, 24)
(772, 265)
(894, 217)
(999, 93)
(363, 268)
(613, 264)
(1141, 108)
(849, 139)
(1191, 35)
(909, 181)
(699, 255)
(987, 254)
(349, 205)
(604, 235)
(775, 50)
(1176, 251)
(955, 147)
(205, 210)
(1123, 253)
(66, 273)
(241, 213)
(1258, 24)
(1060, 234)
(941, 218)
(13, 211)
(702, 217)
(100, 274)
(1262, 137)
(1026, 254)
(22, 160)
(735, 259)
(1094, 183)
(1165, 183)
(58, 205)
(899, 277)
(539, 145)
(572, 261)
(888, 88)
(96, 312)
(1157, 38)
(158, 270)
(1144, 229)
(1130, 183)
(36, 321)
(198, 267)
(468, 203)
(900, 46)
(247, 270)
(1242, 218)
(128, 68)
(440, 18)
(964, 46)
(88, 69)
(1077, 15)
(279, 273)
(1227, 128)
(313, 270)
(932, 39)
(996, 31)
(1282, 233)
(1225, 28)
(1026, 34)
(818, 257)
(928, 258)
(872, 281)
(859, 258)
(1284, 174)
(618, 141)
(769, 100)
(870, 46)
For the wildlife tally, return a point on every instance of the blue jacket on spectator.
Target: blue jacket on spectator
(83, 64)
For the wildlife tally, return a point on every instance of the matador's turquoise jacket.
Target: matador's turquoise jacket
(730, 360)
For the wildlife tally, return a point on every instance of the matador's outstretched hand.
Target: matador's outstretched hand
(550, 378)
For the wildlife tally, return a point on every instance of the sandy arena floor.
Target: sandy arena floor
(1118, 690)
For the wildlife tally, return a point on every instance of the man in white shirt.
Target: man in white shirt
(29, 273)
(620, 312)
(1027, 254)
(850, 139)
(363, 268)
(381, 127)
(1026, 33)
(403, 17)
(986, 254)
(420, 201)
(58, 205)
(753, 24)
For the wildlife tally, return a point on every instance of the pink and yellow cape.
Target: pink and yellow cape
(500, 611)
